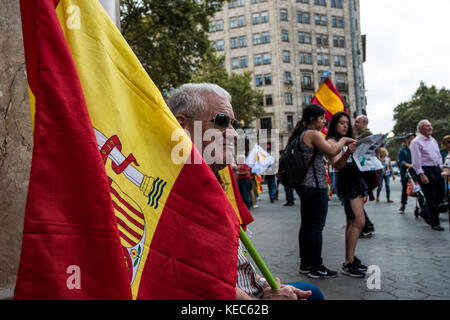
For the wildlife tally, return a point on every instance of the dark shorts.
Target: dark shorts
(350, 185)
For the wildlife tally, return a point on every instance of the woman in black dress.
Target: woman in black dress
(351, 190)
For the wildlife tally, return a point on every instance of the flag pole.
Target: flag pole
(258, 260)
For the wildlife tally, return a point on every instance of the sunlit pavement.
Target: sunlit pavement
(413, 259)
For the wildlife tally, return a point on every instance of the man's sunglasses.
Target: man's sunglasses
(222, 121)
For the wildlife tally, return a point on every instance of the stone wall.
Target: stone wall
(15, 143)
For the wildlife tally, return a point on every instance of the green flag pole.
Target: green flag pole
(258, 260)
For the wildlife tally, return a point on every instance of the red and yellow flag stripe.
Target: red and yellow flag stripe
(178, 231)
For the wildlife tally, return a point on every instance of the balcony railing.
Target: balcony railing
(307, 85)
(341, 86)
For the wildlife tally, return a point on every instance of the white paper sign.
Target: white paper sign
(365, 156)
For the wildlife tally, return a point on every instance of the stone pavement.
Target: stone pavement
(414, 260)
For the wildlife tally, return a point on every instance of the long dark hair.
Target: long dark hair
(310, 114)
(332, 129)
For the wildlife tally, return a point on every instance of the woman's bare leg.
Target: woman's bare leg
(354, 228)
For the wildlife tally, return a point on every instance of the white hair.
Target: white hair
(364, 118)
(420, 124)
(190, 98)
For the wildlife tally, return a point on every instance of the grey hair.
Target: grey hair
(190, 98)
(420, 124)
(364, 117)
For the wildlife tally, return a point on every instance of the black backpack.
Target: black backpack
(292, 168)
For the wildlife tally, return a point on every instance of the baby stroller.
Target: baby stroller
(414, 190)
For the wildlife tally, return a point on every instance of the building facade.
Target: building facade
(288, 45)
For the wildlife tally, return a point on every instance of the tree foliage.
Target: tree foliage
(428, 103)
(246, 101)
(169, 37)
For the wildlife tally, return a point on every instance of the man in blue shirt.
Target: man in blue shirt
(404, 163)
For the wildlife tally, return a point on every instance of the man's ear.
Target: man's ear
(181, 120)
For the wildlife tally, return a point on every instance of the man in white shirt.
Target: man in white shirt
(427, 162)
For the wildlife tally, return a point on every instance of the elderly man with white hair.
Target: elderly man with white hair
(361, 130)
(427, 162)
(204, 111)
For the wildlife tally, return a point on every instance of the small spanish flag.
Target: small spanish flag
(329, 98)
(231, 189)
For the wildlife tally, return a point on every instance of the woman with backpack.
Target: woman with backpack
(351, 190)
(313, 190)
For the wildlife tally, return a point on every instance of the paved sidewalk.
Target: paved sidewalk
(414, 259)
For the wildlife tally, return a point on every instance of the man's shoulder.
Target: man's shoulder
(416, 140)
(363, 134)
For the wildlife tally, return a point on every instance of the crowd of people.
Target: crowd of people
(332, 170)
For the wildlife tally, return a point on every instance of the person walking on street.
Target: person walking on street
(332, 175)
(362, 131)
(271, 181)
(445, 147)
(405, 163)
(351, 190)
(288, 191)
(243, 180)
(446, 175)
(289, 197)
(313, 190)
(385, 175)
(427, 162)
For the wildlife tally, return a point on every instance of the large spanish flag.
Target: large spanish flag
(112, 212)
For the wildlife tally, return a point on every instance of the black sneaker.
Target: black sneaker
(402, 209)
(322, 272)
(361, 267)
(304, 269)
(365, 234)
(351, 270)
